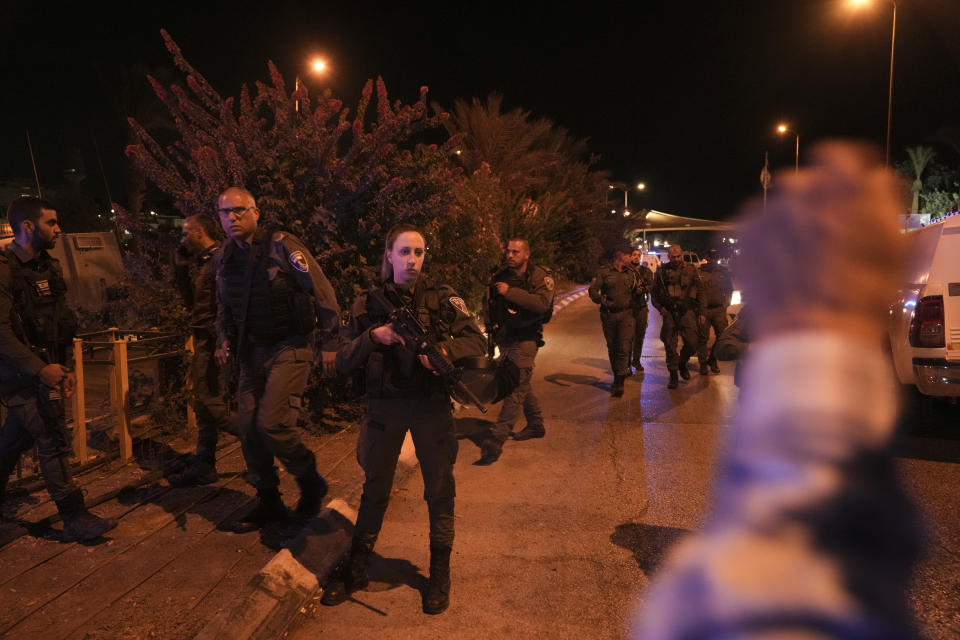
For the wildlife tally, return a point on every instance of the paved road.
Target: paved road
(558, 538)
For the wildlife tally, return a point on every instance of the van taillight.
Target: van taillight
(926, 328)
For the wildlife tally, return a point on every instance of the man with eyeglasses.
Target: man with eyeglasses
(273, 303)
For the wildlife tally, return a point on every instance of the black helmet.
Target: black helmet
(490, 380)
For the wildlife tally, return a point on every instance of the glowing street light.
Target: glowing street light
(319, 66)
(784, 129)
(641, 186)
(857, 4)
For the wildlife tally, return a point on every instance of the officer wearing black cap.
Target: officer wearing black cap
(273, 303)
(614, 288)
(519, 300)
(36, 329)
(403, 393)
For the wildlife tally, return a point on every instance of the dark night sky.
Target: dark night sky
(683, 95)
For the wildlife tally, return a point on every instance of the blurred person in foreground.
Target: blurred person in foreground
(809, 534)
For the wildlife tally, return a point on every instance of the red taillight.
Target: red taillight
(926, 328)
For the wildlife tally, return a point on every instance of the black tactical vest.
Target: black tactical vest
(39, 298)
(278, 308)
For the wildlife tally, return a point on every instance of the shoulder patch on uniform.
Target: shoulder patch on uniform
(548, 283)
(299, 261)
(458, 304)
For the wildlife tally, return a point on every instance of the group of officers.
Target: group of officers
(691, 301)
(263, 315)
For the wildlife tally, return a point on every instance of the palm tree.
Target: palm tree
(920, 159)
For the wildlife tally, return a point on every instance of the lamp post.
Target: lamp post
(893, 42)
(784, 129)
(319, 67)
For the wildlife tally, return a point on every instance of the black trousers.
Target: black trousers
(34, 418)
(209, 403)
(430, 423)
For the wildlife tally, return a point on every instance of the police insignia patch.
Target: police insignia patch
(459, 305)
(548, 283)
(299, 261)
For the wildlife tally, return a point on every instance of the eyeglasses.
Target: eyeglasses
(233, 212)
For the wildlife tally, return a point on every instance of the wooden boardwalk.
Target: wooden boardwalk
(171, 565)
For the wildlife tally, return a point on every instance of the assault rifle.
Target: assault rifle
(419, 342)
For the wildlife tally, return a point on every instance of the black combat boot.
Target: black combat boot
(313, 488)
(674, 380)
(529, 432)
(684, 371)
(490, 450)
(199, 472)
(353, 576)
(704, 371)
(269, 508)
(438, 591)
(714, 367)
(616, 390)
(78, 523)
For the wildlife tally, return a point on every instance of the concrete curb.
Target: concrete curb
(272, 598)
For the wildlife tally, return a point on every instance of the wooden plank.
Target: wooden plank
(79, 407)
(121, 398)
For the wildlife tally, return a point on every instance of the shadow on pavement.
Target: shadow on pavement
(928, 429)
(570, 379)
(648, 543)
(472, 429)
(596, 363)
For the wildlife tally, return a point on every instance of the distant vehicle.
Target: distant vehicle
(652, 261)
(924, 322)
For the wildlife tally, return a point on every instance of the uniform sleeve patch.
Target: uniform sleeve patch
(299, 261)
(548, 283)
(459, 305)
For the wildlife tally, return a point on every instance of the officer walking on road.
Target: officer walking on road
(677, 295)
(639, 302)
(196, 280)
(36, 331)
(613, 288)
(717, 293)
(520, 300)
(403, 393)
(273, 304)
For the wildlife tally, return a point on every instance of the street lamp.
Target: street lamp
(640, 187)
(893, 42)
(319, 67)
(783, 129)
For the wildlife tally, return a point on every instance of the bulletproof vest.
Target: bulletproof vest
(277, 308)
(515, 322)
(618, 286)
(39, 298)
(713, 281)
(677, 280)
(396, 373)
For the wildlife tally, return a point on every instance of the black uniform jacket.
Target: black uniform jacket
(289, 254)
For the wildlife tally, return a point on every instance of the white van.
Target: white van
(924, 323)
